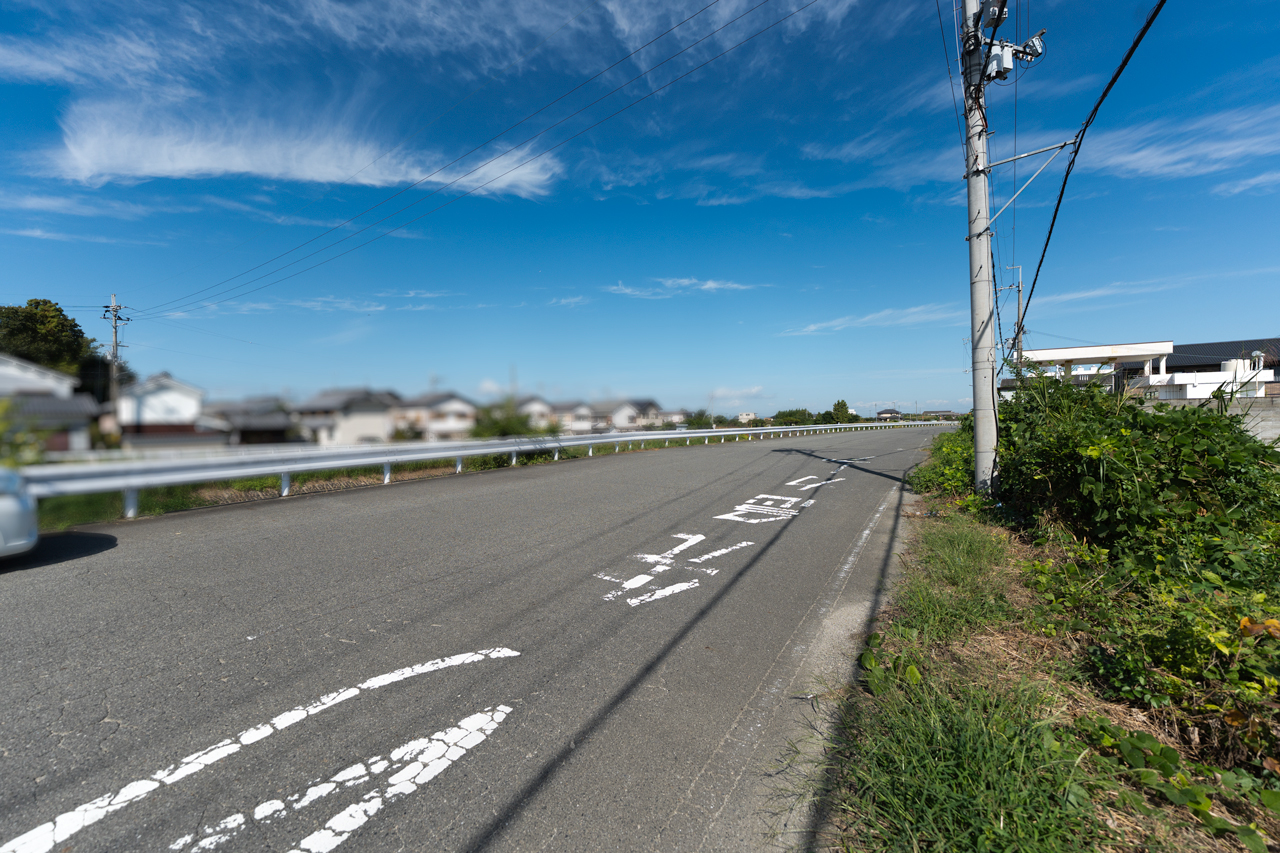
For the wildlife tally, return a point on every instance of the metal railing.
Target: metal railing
(131, 475)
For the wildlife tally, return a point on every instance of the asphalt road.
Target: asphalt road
(600, 654)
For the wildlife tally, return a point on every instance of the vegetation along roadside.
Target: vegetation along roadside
(1088, 659)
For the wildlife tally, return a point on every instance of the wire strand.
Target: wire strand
(1137, 40)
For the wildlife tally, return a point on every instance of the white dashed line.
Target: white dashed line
(44, 837)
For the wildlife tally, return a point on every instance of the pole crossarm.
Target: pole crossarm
(1024, 186)
(991, 166)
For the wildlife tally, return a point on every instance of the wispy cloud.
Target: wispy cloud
(41, 234)
(677, 286)
(917, 315)
(570, 301)
(1265, 182)
(1167, 148)
(335, 303)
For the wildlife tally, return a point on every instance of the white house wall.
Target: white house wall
(159, 406)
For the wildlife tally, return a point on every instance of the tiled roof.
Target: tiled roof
(49, 411)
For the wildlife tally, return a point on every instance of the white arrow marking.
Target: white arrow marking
(668, 558)
(44, 837)
(721, 552)
(801, 480)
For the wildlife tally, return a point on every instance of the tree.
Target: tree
(501, 420)
(699, 420)
(793, 417)
(841, 411)
(42, 333)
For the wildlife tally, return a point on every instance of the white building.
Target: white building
(437, 417)
(1143, 369)
(574, 418)
(540, 412)
(746, 417)
(341, 416)
(46, 400)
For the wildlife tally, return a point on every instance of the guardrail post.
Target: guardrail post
(457, 469)
(130, 503)
(722, 439)
(617, 448)
(591, 450)
(513, 459)
(284, 485)
(556, 457)
(386, 473)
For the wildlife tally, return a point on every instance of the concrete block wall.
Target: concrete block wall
(1261, 414)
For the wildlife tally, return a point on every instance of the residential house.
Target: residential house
(940, 415)
(161, 411)
(443, 416)
(746, 417)
(888, 415)
(256, 420)
(674, 416)
(341, 416)
(45, 400)
(624, 415)
(574, 418)
(540, 412)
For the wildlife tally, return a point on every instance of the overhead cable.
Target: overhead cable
(1079, 138)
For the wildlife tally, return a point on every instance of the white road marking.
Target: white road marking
(720, 552)
(662, 593)
(668, 558)
(454, 743)
(411, 763)
(44, 837)
(770, 512)
(823, 483)
(801, 480)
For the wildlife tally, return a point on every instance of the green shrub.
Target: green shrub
(949, 470)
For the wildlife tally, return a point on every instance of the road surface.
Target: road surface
(599, 654)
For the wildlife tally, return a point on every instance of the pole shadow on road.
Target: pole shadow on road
(54, 548)
(551, 767)
(848, 463)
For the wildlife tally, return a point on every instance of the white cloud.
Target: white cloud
(570, 301)
(127, 141)
(41, 234)
(677, 286)
(489, 388)
(1263, 182)
(1171, 149)
(917, 315)
(335, 303)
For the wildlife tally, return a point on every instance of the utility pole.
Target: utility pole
(112, 312)
(1017, 332)
(981, 305)
(984, 59)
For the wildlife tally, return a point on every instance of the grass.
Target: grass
(927, 757)
(967, 729)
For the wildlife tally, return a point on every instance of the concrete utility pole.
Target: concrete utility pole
(981, 304)
(112, 312)
(984, 59)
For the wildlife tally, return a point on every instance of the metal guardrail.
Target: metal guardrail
(128, 476)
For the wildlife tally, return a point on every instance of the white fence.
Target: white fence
(112, 473)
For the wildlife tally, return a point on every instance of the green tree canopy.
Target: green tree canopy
(793, 417)
(841, 411)
(41, 332)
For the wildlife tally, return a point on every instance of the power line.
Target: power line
(942, 30)
(497, 136)
(521, 164)
(1137, 40)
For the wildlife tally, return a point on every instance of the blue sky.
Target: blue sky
(782, 227)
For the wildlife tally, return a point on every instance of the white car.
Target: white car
(19, 527)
